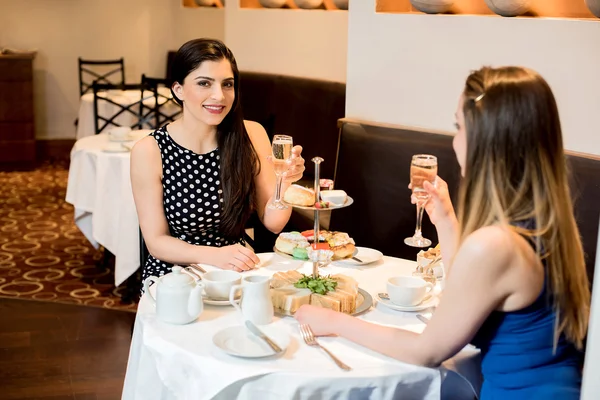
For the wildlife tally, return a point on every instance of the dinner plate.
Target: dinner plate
(364, 254)
(432, 301)
(240, 342)
(348, 202)
(364, 301)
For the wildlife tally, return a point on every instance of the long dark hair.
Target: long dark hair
(239, 161)
(515, 172)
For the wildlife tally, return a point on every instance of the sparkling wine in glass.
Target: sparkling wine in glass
(422, 168)
(282, 154)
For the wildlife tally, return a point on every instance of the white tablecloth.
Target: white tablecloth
(181, 362)
(99, 188)
(85, 124)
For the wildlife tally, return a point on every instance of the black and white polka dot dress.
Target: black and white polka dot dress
(192, 198)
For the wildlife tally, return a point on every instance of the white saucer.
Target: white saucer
(214, 302)
(429, 302)
(126, 138)
(121, 149)
(240, 342)
(365, 254)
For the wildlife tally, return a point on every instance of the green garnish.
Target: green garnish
(320, 285)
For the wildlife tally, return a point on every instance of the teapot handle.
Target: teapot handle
(147, 287)
(232, 292)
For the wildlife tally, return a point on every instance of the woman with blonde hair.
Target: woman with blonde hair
(516, 285)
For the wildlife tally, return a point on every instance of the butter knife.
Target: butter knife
(423, 318)
(254, 329)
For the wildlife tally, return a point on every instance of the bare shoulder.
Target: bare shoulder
(255, 130)
(492, 246)
(145, 148)
(146, 155)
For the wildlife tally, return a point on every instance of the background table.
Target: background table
(85, 124)
(99, 187)
(181, 362)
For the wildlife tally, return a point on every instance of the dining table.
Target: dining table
(169, 361)
(99, 188)
(86, 116)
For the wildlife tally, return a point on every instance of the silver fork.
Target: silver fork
(309, 338)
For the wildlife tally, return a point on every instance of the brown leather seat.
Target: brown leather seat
(306, 109)
(373, 168)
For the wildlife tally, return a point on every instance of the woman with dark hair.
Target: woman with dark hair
(196, 181)
(516, 285)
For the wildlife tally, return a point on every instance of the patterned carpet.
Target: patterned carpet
(43, 256)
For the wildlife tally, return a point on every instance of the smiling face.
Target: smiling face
(459, 143)
(207, 92)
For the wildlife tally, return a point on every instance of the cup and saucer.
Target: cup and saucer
(218, 284)
(409, 294)
(120, 134)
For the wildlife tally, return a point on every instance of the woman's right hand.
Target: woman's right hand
(439, 206)
(235, 257)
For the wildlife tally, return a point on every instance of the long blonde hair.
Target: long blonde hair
(516, 172)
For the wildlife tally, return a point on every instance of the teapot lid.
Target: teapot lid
(176, 278)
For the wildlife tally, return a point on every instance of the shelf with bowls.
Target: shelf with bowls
(581, 9)
(329, 5)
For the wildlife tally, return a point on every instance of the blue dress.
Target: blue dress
(518, 360)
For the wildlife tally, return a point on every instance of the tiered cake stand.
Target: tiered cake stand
(317, 225)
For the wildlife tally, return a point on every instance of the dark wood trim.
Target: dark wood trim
(54, 148)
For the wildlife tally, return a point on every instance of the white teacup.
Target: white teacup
(408, 290)
(218, 283)
(119, 133)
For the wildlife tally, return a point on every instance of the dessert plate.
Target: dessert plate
(364, 254)
(348, 202)
(364, 301)
(431, 301)
(286, 255)
(240, 342)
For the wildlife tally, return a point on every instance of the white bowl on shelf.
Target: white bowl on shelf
(432, 6)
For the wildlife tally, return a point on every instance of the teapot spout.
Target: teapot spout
(195, 305)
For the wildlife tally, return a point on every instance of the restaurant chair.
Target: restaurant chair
(92, 71)
(134, 107)
(163, 109)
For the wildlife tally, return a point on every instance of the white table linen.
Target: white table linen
(181, 362)
(85, 124)
(99, 187)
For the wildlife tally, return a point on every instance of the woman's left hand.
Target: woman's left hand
(319, 319)
(296, 170)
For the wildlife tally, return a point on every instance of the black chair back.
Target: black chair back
(135, 108)
(100, 71)
(163, 109)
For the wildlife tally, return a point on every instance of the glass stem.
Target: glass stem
(420, 209)
(278, 189)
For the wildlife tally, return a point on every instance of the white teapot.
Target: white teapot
(178, 297)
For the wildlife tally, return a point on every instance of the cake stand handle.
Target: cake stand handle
(317, 161)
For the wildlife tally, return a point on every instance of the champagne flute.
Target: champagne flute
(282, 154)
(422, 168)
